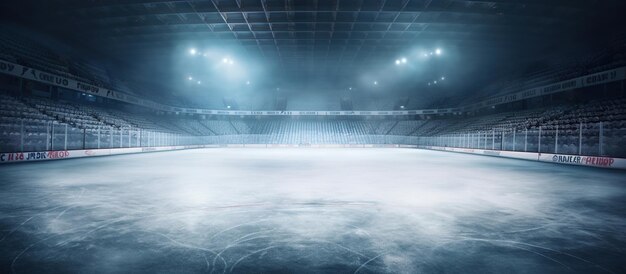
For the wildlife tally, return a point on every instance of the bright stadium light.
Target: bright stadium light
(228, 107)
(350, 88)
(199, 82)
(435, 82)
(443, 78)
(192, 51)
(247, 82)
(403, 60)
(227, 60)
(438, 51)
(397, 62)
(375, 82)
(189, 78)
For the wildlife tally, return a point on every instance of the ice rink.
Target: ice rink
(310, 210)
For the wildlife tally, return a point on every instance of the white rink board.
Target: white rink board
(579, 160)
(592, 161)
(68, 154)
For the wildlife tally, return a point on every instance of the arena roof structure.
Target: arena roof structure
(340, 39)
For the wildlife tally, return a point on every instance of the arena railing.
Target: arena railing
(28, 136)
(591, 139)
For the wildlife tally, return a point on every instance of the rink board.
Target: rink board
(14, 157)
(69, 154)
(580, 160)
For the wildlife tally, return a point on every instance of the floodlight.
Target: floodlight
(403, 60)
(192, 51)
(438, 51)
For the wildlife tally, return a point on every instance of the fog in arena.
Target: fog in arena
(326, 136)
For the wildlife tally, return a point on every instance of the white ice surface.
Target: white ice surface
(347, 210)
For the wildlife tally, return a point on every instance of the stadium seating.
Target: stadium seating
(18, 48)
(557, 70)
(32, 123)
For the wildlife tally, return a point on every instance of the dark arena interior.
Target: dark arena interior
(293, 136)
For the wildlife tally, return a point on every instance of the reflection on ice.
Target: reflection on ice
(310, 210)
